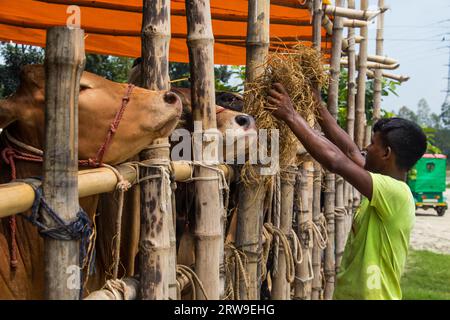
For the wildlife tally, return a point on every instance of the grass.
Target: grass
(427, 276)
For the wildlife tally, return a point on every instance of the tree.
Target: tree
(423, 113)
(110, 67)
(406, 113)
(14, 57)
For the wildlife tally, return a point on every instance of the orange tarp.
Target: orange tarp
(113, 26)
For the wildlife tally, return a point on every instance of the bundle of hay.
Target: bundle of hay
(299, 70)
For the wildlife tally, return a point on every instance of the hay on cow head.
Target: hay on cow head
(299, 70)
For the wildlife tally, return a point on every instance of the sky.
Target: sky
(413, 36)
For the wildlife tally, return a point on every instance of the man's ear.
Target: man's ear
(387, 152)
(7, 113)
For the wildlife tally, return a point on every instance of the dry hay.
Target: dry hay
(299, 70)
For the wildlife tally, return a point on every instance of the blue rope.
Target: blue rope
(79, 229)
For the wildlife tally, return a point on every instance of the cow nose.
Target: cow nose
(243, 120)
(170, 97)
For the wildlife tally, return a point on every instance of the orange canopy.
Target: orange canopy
(113, 26)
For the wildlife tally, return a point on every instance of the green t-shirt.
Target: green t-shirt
(376, 249)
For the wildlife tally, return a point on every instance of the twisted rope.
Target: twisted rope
(187, 272)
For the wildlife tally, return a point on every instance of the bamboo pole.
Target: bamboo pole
(375, 65)
(362, 14)
(251, 199)
(157, 255)
(316, 252)
(378, 72)
(304, 203)
(209, 209)
(18, 197)
(395, 77)
(332, 103)
(341, 235)
(360, 115)
(351, 100)
(64, 63)
(281, 288)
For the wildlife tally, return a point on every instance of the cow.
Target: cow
(149, 115)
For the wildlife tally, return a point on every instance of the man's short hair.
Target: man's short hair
(406, 139)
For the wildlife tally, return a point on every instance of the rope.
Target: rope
(320, 232)
(187, 272)
(239, 261)
(36, 155)
(290, 264)
(276, 220)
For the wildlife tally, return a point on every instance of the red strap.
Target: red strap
(10, 153)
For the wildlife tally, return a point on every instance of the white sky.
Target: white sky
(413, 36)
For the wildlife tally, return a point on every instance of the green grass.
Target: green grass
(427, 276)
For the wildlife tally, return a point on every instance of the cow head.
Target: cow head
(149, 114)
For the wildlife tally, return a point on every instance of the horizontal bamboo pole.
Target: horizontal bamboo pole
(375, 65)
(18, 197)
(379, 59)
(366, 15)
(354, 23)
(399, 78)
(345, 42)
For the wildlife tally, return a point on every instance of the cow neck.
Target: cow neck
(19, 150)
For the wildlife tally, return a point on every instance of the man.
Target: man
(377, 247)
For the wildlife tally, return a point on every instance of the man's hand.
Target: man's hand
(281, 102)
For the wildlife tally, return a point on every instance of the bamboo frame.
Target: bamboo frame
(374, 65)
(281, 288)
(156, 256)
(16, 197)
(378, 73)
(360, 115)
(316, 252)
(64, 63)
(208, 205)
(362, 14)
(251, 199)
(399, 78)
(332, 103)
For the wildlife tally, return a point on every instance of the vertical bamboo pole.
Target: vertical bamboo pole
(157, 247)
(378, 72)
(281, 288)
(304, 201)
(360, 114)
(351, 97)
(317, 189)
(64, 63)
(209, 209)
(251, 199)
(341, 234)
(317, 252)
(333, 93)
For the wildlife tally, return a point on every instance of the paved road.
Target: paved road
(432, 232)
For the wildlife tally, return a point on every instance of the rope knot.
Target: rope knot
(93, 162)
(113, 128)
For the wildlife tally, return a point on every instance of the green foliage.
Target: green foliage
(426, 276)
(388, 87)
(14, 57)
(431, 147)
(110, 67)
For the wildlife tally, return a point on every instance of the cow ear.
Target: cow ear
(7, 113)
(33, 74)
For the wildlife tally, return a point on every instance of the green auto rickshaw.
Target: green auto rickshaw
(427, 181)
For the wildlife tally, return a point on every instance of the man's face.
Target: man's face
(376, 150)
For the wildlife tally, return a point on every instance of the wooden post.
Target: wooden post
(281, 288)
(341, 234)
(317, 251)
(304, 201)
(333, 93)
(209, 209)
(251, 199)
(378, 72)
(157, 251)
(360, 115)
(64, 63)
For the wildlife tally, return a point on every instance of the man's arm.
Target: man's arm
(319, 147)
(336, 134)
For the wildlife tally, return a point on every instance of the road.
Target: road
(432, 232)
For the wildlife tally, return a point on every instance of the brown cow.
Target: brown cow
(149, 115)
